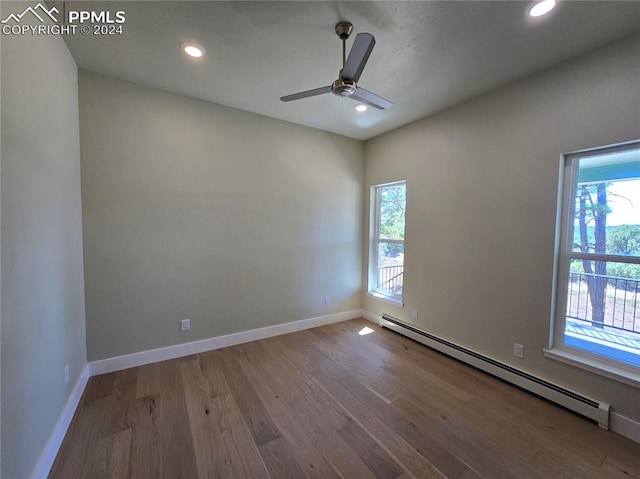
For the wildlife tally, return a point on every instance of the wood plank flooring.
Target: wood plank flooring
(329, 403)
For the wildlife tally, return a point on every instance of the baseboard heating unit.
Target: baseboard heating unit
(591, 408)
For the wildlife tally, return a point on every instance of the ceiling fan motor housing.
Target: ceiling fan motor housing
(343, 87)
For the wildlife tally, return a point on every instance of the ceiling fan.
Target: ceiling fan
(346, 85)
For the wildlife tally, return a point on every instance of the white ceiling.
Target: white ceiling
(428, 56)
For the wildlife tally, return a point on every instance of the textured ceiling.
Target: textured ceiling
(428, 55)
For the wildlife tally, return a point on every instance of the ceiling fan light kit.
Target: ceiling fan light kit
(346, 86)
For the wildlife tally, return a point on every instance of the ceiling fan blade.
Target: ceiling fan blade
(371, 99)
(358, 56)
(306, 94)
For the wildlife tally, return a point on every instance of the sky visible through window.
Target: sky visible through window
(625, 203)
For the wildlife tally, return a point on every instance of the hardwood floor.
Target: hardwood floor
(329, 403)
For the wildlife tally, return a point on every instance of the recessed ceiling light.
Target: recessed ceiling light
(192, 49)
(541, 8)
(361, 107)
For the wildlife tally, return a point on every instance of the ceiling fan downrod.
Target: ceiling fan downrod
(342, 87)
(343, 30)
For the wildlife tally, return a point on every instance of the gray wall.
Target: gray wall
(482, 183)
(194, 210)
(43, 327)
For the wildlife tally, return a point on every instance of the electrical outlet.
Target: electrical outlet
(185, 325)
(518, 350)
(327, 301)
(66, 374)
(414, 314)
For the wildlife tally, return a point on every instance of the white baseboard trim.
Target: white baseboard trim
(625, 427)
(374, 318)
(179, 350)
(45, 462)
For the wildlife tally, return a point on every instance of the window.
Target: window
(387, 246)
(597, 317)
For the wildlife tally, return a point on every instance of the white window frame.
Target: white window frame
(568, 182)
(374, 290)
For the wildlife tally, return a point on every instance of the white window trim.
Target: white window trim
(563, 253)
(373, 245)
(385, 298)
(595, 364)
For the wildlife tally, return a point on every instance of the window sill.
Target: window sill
(610, 371)
(384, 298)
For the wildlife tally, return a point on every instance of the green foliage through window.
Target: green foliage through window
(392, 211)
